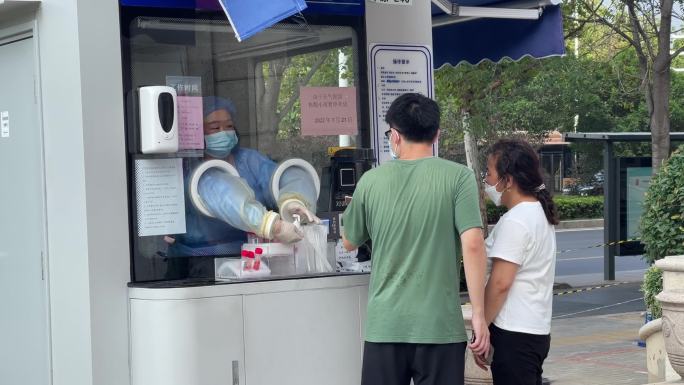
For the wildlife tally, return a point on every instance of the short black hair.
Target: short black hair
(415, 116)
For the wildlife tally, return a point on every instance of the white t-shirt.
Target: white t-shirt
(523, 236)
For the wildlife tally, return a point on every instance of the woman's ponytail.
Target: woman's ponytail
(547, 203)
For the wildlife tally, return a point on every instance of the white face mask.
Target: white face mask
(491, 192)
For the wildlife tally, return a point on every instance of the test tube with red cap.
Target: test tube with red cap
(257, 262)
(247, 262)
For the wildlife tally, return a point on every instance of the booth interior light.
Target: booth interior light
(498, 13)
(518, 9)
(280, 38)
(184, 25)
(271, 47)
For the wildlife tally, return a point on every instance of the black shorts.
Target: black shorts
(518, 357)
(426, 364)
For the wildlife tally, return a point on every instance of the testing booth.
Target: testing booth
(166, 159)
(202, 308)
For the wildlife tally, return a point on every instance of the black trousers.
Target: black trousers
(426, 364)
(518, 357)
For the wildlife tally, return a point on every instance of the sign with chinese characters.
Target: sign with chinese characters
(189, 103)
(328, 110)
(396, 70)
(159, 196)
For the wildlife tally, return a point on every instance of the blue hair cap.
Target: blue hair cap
(215, 103)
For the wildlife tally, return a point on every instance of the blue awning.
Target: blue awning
(476, 39)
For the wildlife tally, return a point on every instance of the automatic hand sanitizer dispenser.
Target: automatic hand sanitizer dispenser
(158, 120)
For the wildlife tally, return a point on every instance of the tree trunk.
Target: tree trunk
(660, 119)
(268, 93)
(473, 162)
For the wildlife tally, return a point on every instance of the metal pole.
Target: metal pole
(345, 140)
(609, 211)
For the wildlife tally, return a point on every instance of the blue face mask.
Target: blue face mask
(220, 144)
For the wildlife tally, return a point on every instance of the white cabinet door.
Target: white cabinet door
(187, 342)
(303, 337)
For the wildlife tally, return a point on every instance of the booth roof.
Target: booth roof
(455, 39)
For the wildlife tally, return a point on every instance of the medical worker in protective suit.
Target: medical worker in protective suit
(240, 204)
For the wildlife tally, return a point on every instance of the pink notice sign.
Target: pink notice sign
(328, 110)
(190, 120)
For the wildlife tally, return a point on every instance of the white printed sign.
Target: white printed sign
(4, 124)
(396, 70)
(342, 255)
(160, 199)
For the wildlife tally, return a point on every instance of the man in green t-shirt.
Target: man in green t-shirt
(422, 215)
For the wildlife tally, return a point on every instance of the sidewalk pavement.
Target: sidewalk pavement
(579, 280)
(580, 224)
(596, 350)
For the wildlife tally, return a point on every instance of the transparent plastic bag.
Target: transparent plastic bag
(311, 251)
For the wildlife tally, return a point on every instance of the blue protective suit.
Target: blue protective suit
(206, 236)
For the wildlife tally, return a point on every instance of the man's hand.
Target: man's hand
(348, 245)
(480, 346)
(480, 361)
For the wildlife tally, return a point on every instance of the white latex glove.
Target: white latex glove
(287, 232)
(295, 207)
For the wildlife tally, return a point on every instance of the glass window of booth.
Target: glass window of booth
(251, 94)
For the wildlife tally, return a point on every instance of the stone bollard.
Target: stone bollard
(672, 301)
(473, 374)
(657, 363)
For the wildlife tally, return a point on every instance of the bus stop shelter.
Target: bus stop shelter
(611, 187)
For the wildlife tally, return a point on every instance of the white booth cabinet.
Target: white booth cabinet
(293, 331)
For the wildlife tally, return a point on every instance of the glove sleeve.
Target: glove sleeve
(296, 184)
(231, 200)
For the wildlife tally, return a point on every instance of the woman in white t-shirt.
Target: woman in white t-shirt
(522, 250)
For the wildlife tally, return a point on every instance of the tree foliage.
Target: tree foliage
(651, 287)
(601, 85)
(644, 26)
(662, 221)
(533, 97)
(279, 108)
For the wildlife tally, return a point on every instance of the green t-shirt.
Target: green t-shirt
(414, 211)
